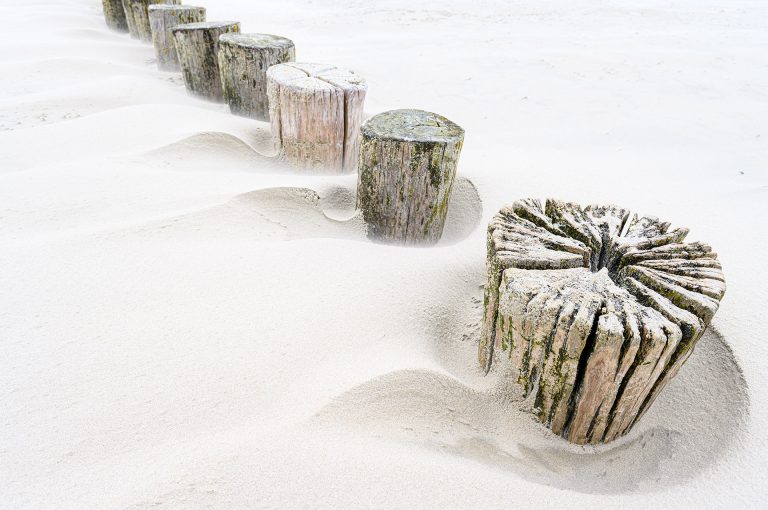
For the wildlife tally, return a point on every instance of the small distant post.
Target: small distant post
(406, 170)
(197, 46)
(315, 111)
(114, 15)
(141, 16)
(243, 63)
(162, 19)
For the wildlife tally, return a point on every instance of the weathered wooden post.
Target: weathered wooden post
(243, 63)
(137, 17)
(315, 111)
(162, 19)
(591, 316)
(129, 19)
(197, 46)
(406, 170)
(114, 15)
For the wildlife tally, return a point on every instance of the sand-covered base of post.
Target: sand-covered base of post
(316, 111)
(406, 170)
(243, 63)
(197, 46)
(592, 312)
(162, 20)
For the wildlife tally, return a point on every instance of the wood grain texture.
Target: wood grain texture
(114, 15)
(197, 47)
(316, 111)
(406, 170)
(593, 310)
(162, 20)
(243, 63)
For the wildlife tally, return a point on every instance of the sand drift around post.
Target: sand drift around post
(594, 312)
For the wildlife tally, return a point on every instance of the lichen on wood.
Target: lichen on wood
(197, 46)
(406, 170)
(114, 15)
(243, 63)
(593, 311)
(162, 20)
(315, 113)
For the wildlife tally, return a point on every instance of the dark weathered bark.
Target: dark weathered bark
(316, 111)
(406, 170)
(593, 315)
(162, 20)
(114, 15)
(243, 63)
(197, 46)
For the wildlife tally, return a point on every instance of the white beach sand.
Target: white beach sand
(185, 325)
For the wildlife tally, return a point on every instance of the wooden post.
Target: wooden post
(162, 19)
(406, 170)
(114, 15)
(243, 63)
(316, 111)
(137, 17)
(591, 312)
(197, 46)
(129, 18)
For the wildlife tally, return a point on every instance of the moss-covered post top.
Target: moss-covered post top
(256, 40)
(205, 25)
(412, 125)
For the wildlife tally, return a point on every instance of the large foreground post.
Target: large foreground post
(316, 111)
(162, 20)
(591, 316)
(114, 15)
(243, 63)
(197, 46)
(406, 171)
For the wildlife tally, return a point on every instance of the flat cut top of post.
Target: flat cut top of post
(316, 76)
(166, 7)
(204, 25)
(412, 125)
(256, 40)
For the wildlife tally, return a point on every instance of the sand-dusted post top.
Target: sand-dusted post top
(315, 111)
(243, 63)
(162, 20)
(593, 310)
(114, 15)
(140, 17)
(197, 46)
(406, 170)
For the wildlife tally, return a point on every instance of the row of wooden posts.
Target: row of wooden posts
(406, 159)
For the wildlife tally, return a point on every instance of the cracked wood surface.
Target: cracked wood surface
(315, 111)
(162, 20)
(406, 171)
(593, 310)
(243, 63)
(197, 47)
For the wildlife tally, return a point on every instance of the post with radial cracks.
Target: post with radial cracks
(315, 111)
(592, 311)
